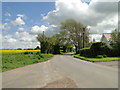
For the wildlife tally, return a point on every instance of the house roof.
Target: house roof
(107, 36)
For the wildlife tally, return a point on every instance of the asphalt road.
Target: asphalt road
(84, 74)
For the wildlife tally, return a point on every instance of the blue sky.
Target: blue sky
(31, 10)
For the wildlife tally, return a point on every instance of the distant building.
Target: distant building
(106, 37)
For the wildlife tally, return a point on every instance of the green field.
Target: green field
(98, 59)
(15, 60)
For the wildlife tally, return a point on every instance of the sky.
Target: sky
(23, 21)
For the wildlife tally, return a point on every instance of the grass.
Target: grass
(15, 60)
(98, 59)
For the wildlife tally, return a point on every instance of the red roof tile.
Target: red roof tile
(107, 36)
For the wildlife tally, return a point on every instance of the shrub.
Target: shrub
(104, 56)
(115, 52)
(97, 48)
(101, 48)
(30, 52)
(37, 53)
(99, 56)
(36, 61)
(41, 56)
(26, 52)
(86, 52)
(78, 52)
(19, 49)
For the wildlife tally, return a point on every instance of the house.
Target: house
(106, 37)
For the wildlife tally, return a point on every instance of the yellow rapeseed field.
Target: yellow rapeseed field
(17, 51)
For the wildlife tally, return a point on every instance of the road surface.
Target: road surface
(81, 74)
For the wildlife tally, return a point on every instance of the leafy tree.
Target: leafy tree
(19, 49)
(67, 47)
(74, 32)
(115, 36)
(44, 43)
(115, 43)
(49, 44)
(64, 41)
(54, 46)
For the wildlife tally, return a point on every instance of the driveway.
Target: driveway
(62, 69)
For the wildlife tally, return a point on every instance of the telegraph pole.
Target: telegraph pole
(83, 36)
(43, 33)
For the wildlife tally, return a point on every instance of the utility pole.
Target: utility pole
(43, 33)
(83, 36)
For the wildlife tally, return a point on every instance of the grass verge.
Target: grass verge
(15, 60)
(98, 59)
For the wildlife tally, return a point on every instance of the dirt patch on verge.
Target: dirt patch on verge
(61, 83)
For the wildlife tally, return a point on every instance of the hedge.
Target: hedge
(98, 48)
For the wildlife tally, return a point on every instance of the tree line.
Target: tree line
(71, 35)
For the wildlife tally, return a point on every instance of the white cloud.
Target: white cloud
(18, 21)
(17, 34)
(7, 14)
(1, 26)
(7, 36)
(4, 26)
(36, 29)
(20, 15)
(12, 40)
(42, 15)
(0, 41)
(100, 16)
(20, 40)
(0, 37)
(8, 41)
(21, 29)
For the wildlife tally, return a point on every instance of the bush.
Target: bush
(37, 53)
(30, 52)
(115, 52)
(78, 52)
(26, 52)
(104, 56)
(86, 52)
(101, 48)
(99, 56)
(97, 48)
(19, 49)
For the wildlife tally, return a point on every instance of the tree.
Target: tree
(74, 32)
(115, 36)
(68, 46)
(64, 42)
(19, 49)
(44, 43)
(115, 43)
(49, 44)
(54, 45)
